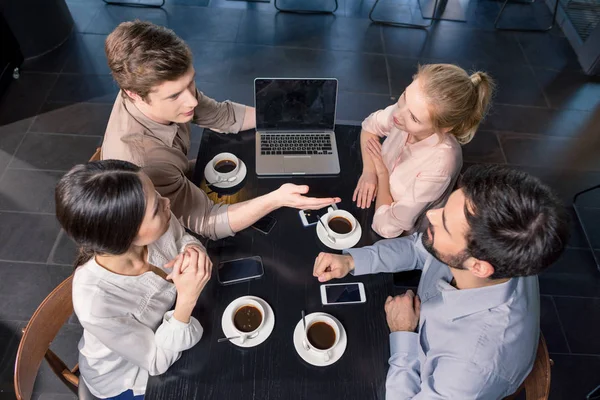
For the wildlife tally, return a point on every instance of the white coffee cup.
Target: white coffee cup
(339, 213)
(243, 336)
(225, 176)
(325, 353)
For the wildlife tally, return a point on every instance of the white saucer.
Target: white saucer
(340, 244)
(312, 357)
(209, 175)
(263, 334)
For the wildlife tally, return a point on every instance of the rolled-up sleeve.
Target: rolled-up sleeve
(189, 202)
(379, 123)
(391, 220)
(225, 116)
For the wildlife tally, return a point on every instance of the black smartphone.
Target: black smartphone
(265, 224)
(240, 270)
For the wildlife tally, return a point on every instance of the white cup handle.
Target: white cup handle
(329, 210)
(242, 339)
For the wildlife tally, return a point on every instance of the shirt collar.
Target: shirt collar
(464, 302)
(164, 133)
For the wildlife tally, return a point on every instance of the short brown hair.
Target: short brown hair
(457, 100)
(142, 55)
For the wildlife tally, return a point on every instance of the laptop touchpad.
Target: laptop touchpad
(296, 164)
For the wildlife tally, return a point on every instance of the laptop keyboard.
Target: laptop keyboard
(290, 144)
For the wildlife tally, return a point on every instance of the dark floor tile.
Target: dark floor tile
(52, 61)
(456, 42)
(212, 60)
(568, 123)
(317, 32)
(262, 6)
(108, 17)
(574, 274)
(56, 396)
(406, 42)
(355, 72)
(65, 251)
(16, 189)
(550, 326)
(401, 73)
(582, 333)
(484, 148)
(357, 9)
(54, 152)
(10, 333)
(515, 85)
(242, 93)
(65, 346)
(38, 231)
(24, 96)
(10, 137)
(84, 88)
(549, 152)
(548, 51)
(355, 107)
(591, 220)
(201, 23)
(87, 55)
(576, 238)
(73, 118)
(568, 89)
(526, 15)
(573, 377)
(24, 287)
(365, 73)
(404, 11)
(83, 14)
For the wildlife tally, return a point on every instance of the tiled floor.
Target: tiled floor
(546, 121)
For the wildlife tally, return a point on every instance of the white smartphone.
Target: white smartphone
(311, 217)
(343, 293)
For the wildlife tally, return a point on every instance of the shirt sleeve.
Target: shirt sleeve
(391, 220)
(182, 238)
(154, 352)
(225, 116)
(189, 202)
(452, 378)
(379, 122)
(392, 255)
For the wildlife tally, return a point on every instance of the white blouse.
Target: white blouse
(128, 331)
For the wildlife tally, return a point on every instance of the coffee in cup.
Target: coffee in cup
(225, 166)
(321, 335)
(247, 318)
(340, 225)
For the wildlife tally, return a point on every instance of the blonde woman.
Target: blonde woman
(421, 158)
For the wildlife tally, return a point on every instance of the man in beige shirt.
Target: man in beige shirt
(150, 126)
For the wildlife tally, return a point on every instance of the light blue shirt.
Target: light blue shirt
(470, 344)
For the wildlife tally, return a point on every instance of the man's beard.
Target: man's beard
(455, 261)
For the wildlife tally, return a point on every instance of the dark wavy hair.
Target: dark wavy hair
(516, 222)
(101, 206)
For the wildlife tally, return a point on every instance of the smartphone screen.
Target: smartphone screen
(342, 293)
(240, 270)
(265, 224)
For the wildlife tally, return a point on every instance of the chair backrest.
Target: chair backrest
(537, 383)
(97, 155)
(41, 330)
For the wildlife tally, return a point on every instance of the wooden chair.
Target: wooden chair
(41, 330)
(537, 383)
(97, 155)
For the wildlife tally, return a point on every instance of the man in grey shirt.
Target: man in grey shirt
(471, 332)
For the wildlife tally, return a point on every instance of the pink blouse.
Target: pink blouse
(420, 173)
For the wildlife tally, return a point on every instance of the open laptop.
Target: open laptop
(295, 121)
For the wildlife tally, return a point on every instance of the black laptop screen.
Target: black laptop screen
(295, 104)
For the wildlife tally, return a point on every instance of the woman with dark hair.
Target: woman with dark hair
(121, 296)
